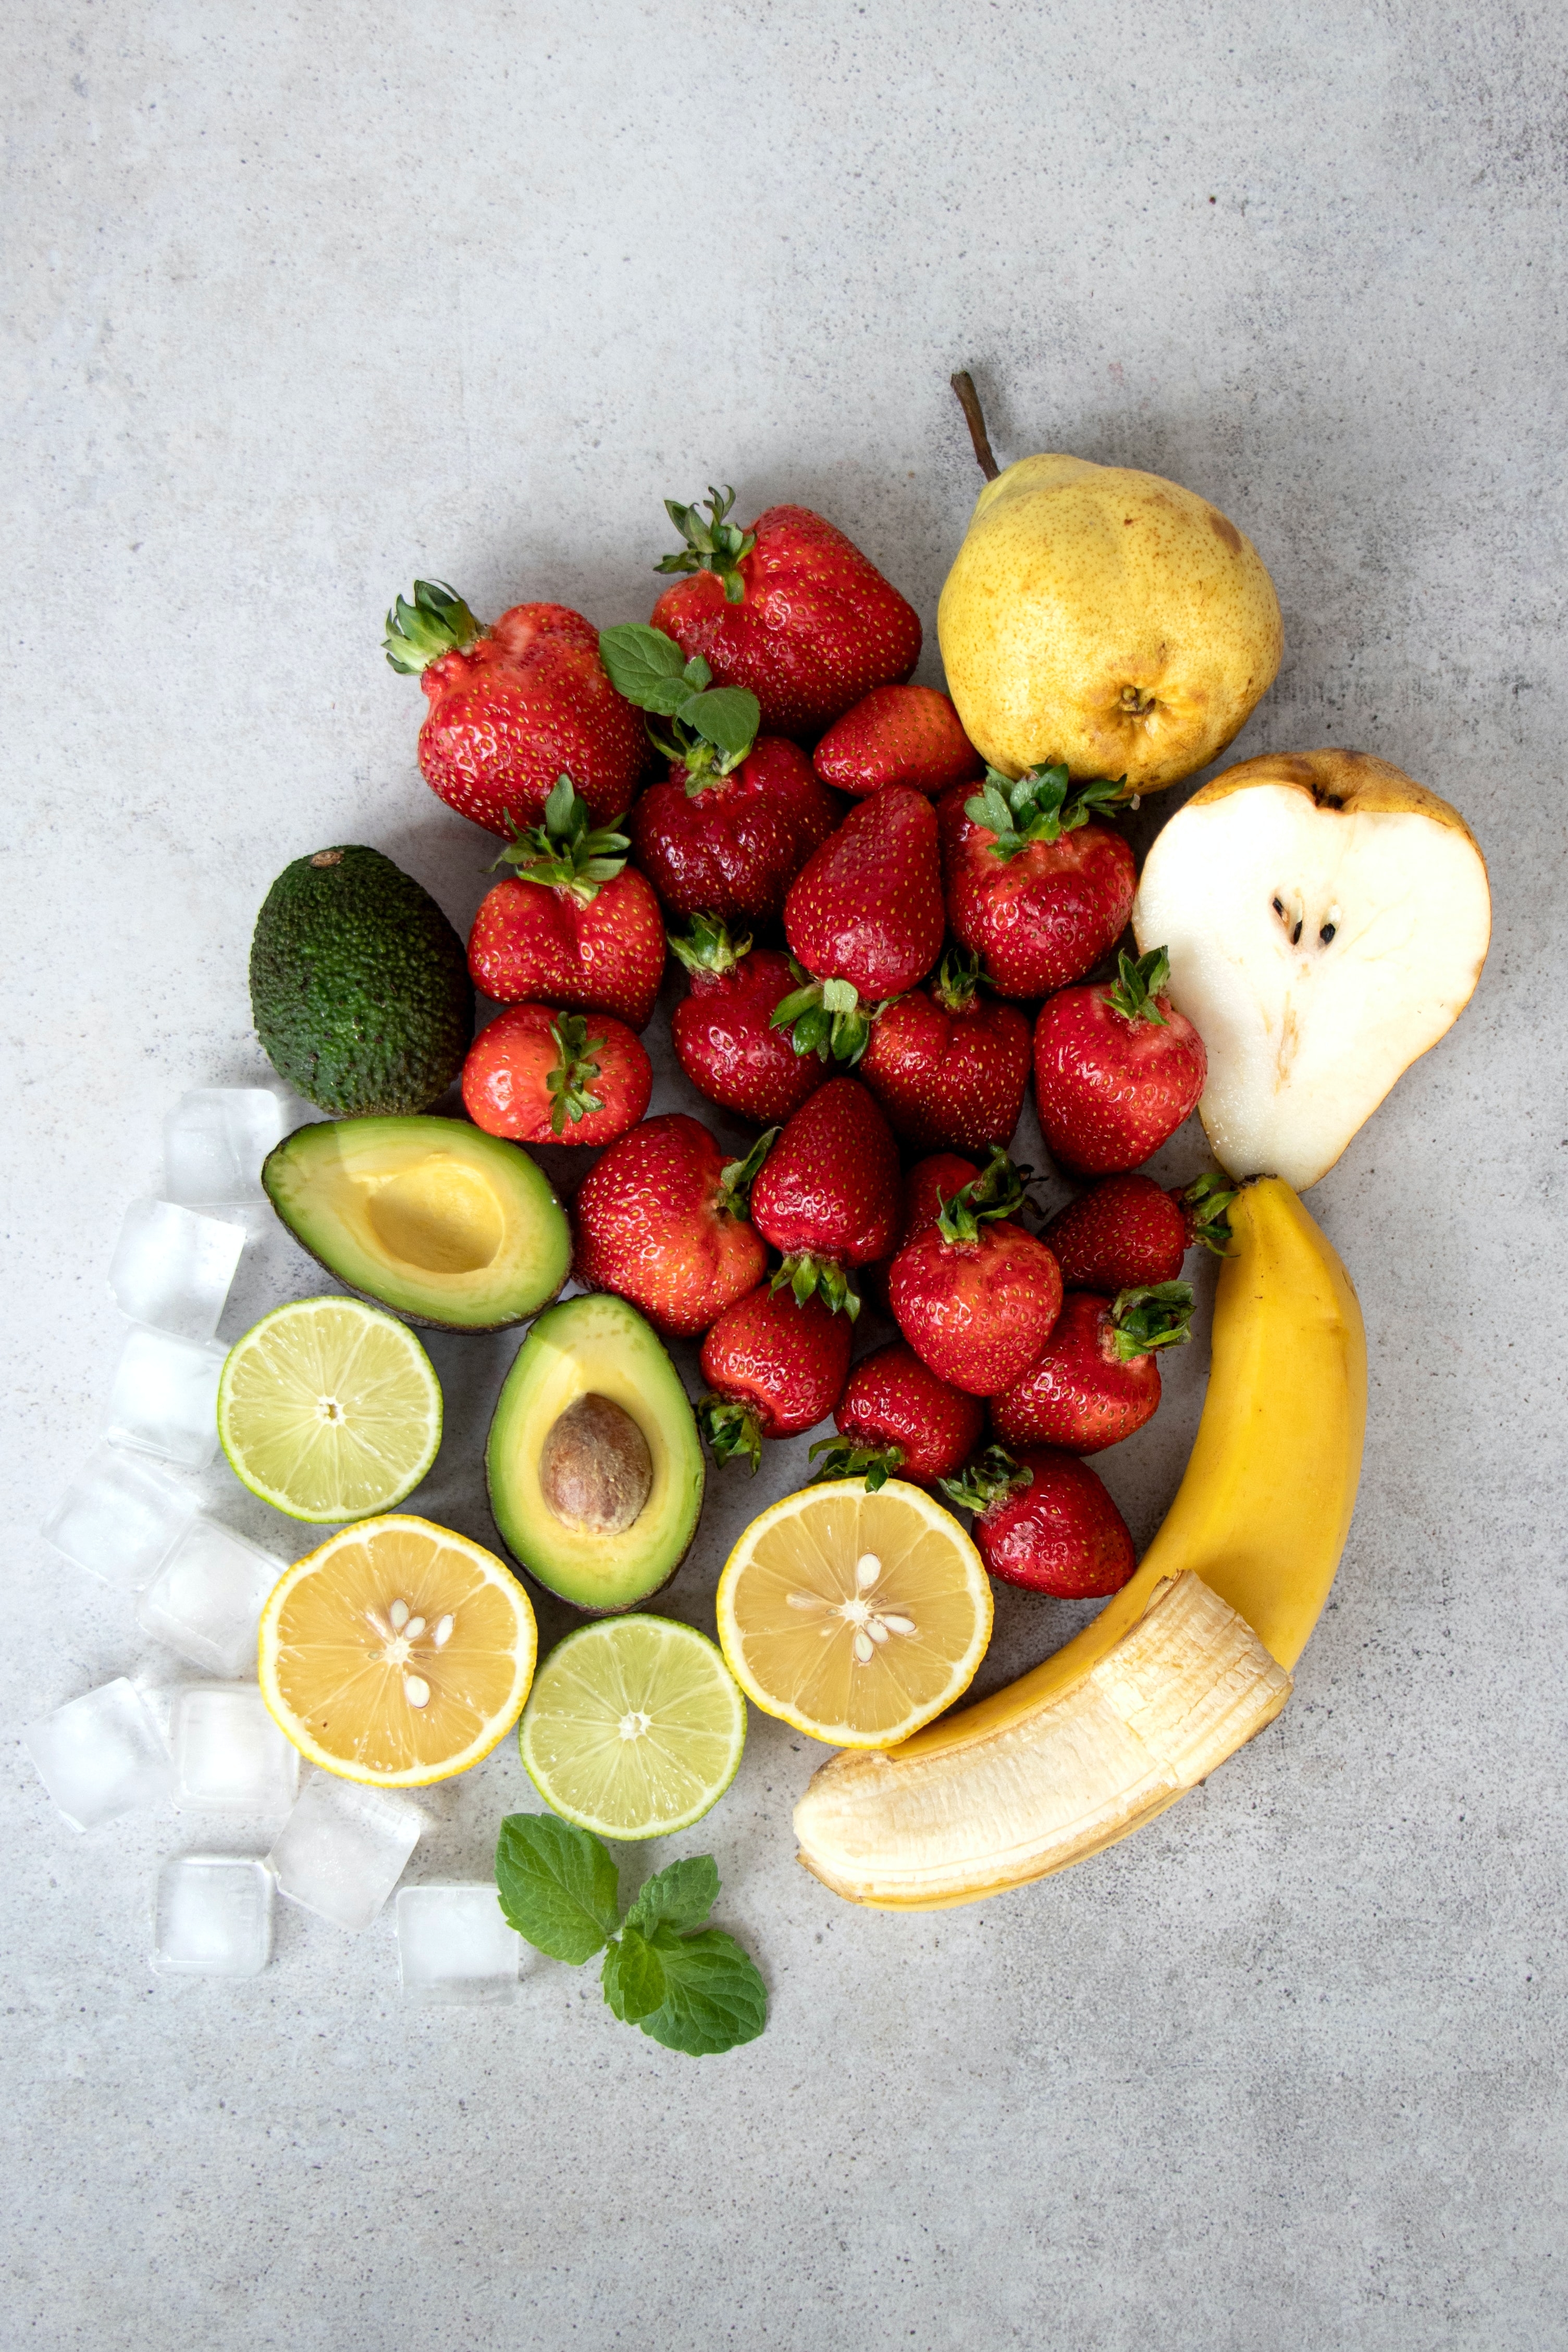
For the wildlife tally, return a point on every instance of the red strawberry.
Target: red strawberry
(731, 846)
(774, 1368)
(1046, 1522)
(1035, 889)
(901, 1421)
(1097, 1379)
(828, 1197)
(1117, 1069)
(538, 1075)
(723, 1032)
(661, 1219)
(897, 735)
(947, 1065)
(790, 609)
(974, 1295)
(864, 916)
(512, 706)
(578, 926)
(928, 1184)
(1128, 1232)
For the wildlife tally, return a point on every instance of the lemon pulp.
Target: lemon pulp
(854, 1617)
(329, 1410)
(634, 1728)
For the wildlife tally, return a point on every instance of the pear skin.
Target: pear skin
(1106, 620)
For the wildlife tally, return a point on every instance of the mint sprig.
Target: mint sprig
(686, 1984)
(712, 727)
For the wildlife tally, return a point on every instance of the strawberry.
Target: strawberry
(723, 1032)
(661, 1219)
(1127, 1231)
(974, 1294)
(1036, 888)
(1045, 1521)
(901, 1421)
(897, 735)
(538, 1076)
(865, 916)
(790, 609)
(511, 706)
(577, 925)
(928, 1184)
(828, 1197)
(946, 1066)
(774, 1367)
(1117, 1069)
(1097, 1379)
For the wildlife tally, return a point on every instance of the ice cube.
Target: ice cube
(453, 1945)
(342, 1850)
(164, 1397)
(122, 1517)
(214, 1141)
(230, 1756)
(206, 1600)
(102, 1755)
(213, 1916)
(173, 1268)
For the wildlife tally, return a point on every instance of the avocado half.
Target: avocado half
(445, 1224)
(595, 1346)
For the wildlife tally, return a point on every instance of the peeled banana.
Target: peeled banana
(1183, 1664)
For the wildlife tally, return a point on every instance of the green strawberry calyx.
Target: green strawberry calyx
(436, 624)
(846, 1458)
(712, 728)
(707, 944)
(716, 545)
(1137, 985)
(997, 1191)
(957, 980)
(1204, 1203)
(731, 1428)
(1040, 806)
(826, 1017)
(565, 852)
(737, 1176)
(810, 1277)
(1155, 1314)
(568, 1083)
(988, 1479)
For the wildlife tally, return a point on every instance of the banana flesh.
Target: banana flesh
(1187, 1661)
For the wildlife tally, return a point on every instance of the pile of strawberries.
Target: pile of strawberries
(906, 928)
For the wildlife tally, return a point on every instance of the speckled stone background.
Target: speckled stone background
(304, 300)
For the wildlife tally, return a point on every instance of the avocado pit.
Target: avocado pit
(596, 1472)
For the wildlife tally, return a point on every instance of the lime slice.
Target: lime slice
(329, 1410)
(633, 1728)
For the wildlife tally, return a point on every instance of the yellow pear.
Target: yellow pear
(1105, 619)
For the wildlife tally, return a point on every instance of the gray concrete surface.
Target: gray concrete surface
(303, 301)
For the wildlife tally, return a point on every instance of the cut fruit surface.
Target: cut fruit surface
(635, 1728)
(397, 1652)
(329, 1410)
(854, 1617)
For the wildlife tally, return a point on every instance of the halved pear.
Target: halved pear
(1326, 920)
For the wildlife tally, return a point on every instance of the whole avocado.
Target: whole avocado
(358, 985)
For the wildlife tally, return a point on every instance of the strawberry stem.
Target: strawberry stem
(826, 1017)
(568, 1083)
(1157, 1315)
(717, 546)
(990, 1478)
(957, 982)
(810, 1276)
(1040, 806)
(712, 728)
(565, 853)
(437, 623)
(995, 1192)
(845, 1459)
(707, 945)
(737, 1176)
(1133, 992)
(963, 383)
(731, 1428)
(1204, 1203)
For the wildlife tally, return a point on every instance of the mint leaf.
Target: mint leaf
(632, 1978)
(725, 716)
(680, 1896)
(645, 666)
(713, 1998)
(558, 1885)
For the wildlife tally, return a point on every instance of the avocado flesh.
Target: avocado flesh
(445, 1224)
(595, 1346)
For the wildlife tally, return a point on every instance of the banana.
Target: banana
(1182, 1665)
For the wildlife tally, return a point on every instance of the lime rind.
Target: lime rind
(634, 1728)
(280, 1446)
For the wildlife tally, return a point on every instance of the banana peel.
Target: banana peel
(1181, 1667)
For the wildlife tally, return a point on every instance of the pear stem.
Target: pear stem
(975, 418)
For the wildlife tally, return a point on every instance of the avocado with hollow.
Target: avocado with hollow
(431, 1217)
(593, 1461)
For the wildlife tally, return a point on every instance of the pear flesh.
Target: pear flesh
(1105, 620)
(1326, 920)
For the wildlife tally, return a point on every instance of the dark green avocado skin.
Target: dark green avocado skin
(358, 985)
